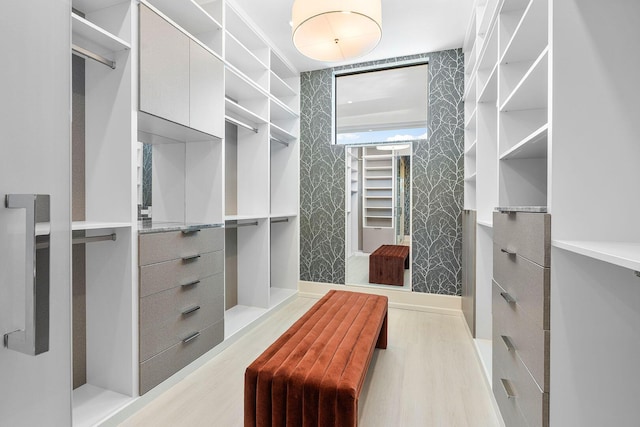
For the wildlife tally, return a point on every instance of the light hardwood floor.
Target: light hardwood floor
(428, 376)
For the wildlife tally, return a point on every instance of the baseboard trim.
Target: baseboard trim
(417, 301)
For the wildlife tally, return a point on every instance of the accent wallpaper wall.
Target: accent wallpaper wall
(437, 180)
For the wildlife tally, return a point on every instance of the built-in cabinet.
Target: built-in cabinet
(550, 107)
(217, 112)
(104, 313)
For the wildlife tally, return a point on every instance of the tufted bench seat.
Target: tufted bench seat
(313, 374)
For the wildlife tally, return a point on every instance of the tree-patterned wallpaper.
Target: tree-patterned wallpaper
(437, 180)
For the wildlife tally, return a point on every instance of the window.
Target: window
(381, 105)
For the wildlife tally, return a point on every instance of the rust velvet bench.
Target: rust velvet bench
(387, 264)
(313, 374)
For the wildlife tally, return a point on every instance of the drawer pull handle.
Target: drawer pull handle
(190, 231)
(508, 252)
(508, 343)
(507, 297)
(190, 258)
(191, 337)
(186, 285)
(508, 390)
(191, 310)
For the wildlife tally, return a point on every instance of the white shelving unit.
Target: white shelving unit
(553, 125)
(262, 173)
(104, 188)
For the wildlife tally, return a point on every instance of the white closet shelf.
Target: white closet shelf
(282, 215)
(235, 110)
(532, 90)
(470, 123)
(156, 130)
(240, 316)
(471, 179)
(239, 87)
(530, 36)
(236, 25)
(379, 157)
(280, 111)
(245, 217)
(280, 133)
(279, 88)
(281, 68)
(489, 93)
(485, 223)
(471, 151)
(84, 30)
(241, 57)
(379, 177)
(470, 90)
(470, 63)
(97, 225)
(377, 188)
(377, 168)
(187, 14)
(278, 295)
(92, 404)
(534, 146)
(623, 254)
(88, 6)
(378, 197)
(513, 5)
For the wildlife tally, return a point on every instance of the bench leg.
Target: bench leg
(382, 338)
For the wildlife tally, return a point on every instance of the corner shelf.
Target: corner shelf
(622, 254)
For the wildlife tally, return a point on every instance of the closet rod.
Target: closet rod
(245, 224)
(84, 53)
(277, 221)
(91, 239)
(286, 144)
(239, 123)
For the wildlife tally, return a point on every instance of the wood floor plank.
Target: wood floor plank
(428, 376)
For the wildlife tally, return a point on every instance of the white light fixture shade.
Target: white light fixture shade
(336, 30)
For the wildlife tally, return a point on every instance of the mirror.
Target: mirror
(378, 114)
(144, 178)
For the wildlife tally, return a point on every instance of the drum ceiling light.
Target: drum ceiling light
(336, 30)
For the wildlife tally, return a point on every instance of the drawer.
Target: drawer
(526, 282)
(530, 343)
(169, 274)
(508, 408)
(529, 402)
(158, 247)
(162, 322)
(160, 367)
(527, 234)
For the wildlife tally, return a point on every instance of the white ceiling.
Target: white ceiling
(408, 27)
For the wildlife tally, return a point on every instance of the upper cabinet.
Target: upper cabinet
(181, 81)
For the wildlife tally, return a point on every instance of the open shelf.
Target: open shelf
(84, 30)
(489, 92)
(244, 60)
(470, 123)
(281, 134)
(279, 88)
(471, 178)
(240, 316)
(245, 35)
(530, 36)
(92, 405)
(622, 254)
(532, 90)
(237, 111)
(533, 146)
(471, 151)
(97, 225)
(188, 14)
(280, 111)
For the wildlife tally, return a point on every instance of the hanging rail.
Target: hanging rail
(239, 123)
(84, 53)
(277, 221)
(244, 224)
(286, 144)
(91, 239)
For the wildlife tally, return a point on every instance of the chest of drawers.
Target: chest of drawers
(181, 300)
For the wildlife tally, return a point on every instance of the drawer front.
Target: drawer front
(169, 274)
(165, 320)
(160, 367)
(508, 408)
(158, 247)
(527, 234)
(526, 282)
(530, 343)
(529, 401)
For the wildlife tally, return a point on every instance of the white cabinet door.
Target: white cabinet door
(206, 100)
(34, 159)
(164, 68)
